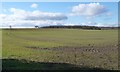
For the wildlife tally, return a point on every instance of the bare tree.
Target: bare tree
(36, 26)
(10, 27)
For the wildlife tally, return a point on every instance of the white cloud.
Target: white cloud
(89, 23)
(34, 5)
(100, 24)
(19, 17)
(70, 24)
(30, 23)
(38, 15)
(19, 14)
(92, 9)
(92, 24)
(2, 17)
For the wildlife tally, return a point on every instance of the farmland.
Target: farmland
(41, 49)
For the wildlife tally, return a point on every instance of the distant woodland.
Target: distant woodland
(80, 27)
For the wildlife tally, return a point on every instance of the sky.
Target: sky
(30, 14)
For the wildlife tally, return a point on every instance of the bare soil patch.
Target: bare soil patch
(78, 49)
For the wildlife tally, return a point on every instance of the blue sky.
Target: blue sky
(29, 14)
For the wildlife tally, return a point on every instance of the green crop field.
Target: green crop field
(41, 49)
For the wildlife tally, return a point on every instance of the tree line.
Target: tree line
(77, 27)
(74, 27)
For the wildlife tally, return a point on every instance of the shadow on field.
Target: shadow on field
(14, 64)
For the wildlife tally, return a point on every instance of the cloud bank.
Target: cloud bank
(30, 23)
(92, 9)
(19, 17)
(19, 14)
(34, 5)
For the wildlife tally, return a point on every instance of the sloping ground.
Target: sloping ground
(82, 48)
